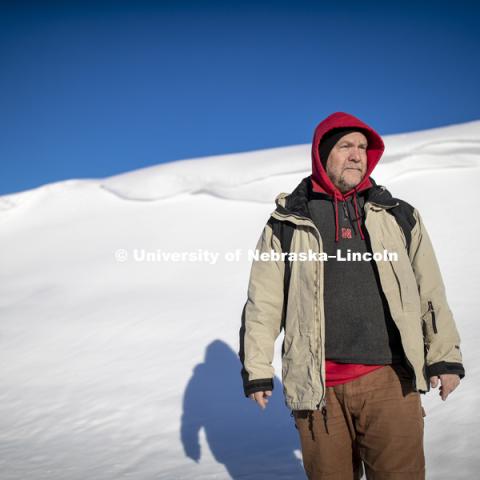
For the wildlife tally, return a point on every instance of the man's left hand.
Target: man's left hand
(449, 381)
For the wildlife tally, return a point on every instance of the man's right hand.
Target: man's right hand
(261, 397)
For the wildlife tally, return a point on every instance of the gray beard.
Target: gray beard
(345, 187)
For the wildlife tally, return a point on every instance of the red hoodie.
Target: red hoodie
(320, 180)
(337, 373)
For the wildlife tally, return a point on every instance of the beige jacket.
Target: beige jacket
(412, 285)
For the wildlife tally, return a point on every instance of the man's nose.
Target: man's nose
(355, 156)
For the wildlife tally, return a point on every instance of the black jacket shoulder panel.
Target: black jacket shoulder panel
(284, 230)
(400, 209)
(403, 214)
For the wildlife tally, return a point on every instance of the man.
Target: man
(363, 339)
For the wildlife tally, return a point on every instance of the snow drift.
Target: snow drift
(115, 366)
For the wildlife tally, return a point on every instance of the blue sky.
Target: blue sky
(92, 89)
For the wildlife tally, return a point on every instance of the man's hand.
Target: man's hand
(449, 381)
(261, 397)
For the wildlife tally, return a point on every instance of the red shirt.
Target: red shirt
(346, 372)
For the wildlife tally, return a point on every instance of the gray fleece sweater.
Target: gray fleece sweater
(358, 324)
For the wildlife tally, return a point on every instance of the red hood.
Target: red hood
(320, 180)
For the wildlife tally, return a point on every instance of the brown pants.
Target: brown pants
(376, 419)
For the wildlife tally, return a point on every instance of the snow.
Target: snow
(128, 369)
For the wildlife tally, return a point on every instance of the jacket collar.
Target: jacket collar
(296, 203)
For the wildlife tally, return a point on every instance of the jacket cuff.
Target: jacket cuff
(440, 368)
(259, 385)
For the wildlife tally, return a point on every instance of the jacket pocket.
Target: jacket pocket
(431, 310)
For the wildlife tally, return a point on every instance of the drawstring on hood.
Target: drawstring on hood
(357, 216)
(321, 181)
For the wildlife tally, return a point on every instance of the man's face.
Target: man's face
(347, 162)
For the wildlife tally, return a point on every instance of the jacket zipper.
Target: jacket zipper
(323, 401)
(434, 323)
